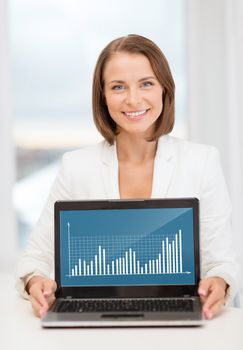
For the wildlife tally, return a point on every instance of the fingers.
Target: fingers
(50, 300)
(42, 296)
(215, 309)
(212, 306)
(36, 292)
(204, 287)
(212, 294)
(36, 306)
(216, 294)
(49, 287)
(203, 291)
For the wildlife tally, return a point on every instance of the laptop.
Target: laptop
(124, 263)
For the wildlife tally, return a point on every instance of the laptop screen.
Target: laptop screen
(127, 247)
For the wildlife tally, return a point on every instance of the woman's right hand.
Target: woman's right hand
(42, 294)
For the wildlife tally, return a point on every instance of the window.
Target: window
(54, 45)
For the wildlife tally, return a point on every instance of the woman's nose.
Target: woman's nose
(133, 97)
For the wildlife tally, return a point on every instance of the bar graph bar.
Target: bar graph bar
(167, 261)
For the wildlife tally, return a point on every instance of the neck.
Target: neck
(135, 149)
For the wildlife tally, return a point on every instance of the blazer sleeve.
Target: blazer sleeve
(38, 257)
(217, 253)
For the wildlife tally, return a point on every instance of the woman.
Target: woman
(133, 108)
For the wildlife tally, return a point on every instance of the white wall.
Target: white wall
(7, 227)
(215, 86)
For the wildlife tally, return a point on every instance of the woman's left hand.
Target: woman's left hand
(212, 291)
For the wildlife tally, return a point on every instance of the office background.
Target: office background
(47, 54)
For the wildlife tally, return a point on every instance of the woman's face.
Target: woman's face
(133, 93)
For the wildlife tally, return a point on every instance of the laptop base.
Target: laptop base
(124, 318)
(63, 320)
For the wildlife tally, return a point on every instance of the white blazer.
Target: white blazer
(181, 169)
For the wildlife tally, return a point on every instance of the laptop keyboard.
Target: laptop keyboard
(130, 305)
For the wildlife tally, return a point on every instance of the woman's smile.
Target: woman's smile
(136, 115)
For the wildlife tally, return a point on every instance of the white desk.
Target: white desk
(20, 329)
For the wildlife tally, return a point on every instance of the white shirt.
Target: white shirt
(181, 169)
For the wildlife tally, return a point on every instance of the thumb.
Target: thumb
(49, 287)
(204, 287)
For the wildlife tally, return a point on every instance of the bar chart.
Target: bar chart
(168, 261)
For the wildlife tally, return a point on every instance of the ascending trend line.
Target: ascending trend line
(168, 261)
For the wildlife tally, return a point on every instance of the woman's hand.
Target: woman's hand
(42, 294)
(212, 291)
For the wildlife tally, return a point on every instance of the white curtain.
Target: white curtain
(215, 88)
(8, 239)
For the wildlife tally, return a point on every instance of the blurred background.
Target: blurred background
(54, 46)
(48, 50)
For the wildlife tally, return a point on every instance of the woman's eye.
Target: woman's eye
(117, 87)
(147, 84)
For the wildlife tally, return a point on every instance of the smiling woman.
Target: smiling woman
(133, 100)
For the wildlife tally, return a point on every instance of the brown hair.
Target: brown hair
(134, 44)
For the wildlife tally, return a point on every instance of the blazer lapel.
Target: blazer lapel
(163, 167)
(109, 171)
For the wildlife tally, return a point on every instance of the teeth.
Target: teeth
(135, 114)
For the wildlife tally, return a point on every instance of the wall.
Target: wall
(215, 87)
(7, 227)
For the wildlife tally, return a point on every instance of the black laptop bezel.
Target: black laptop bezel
(151, 291)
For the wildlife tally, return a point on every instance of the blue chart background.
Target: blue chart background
(117, 231)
